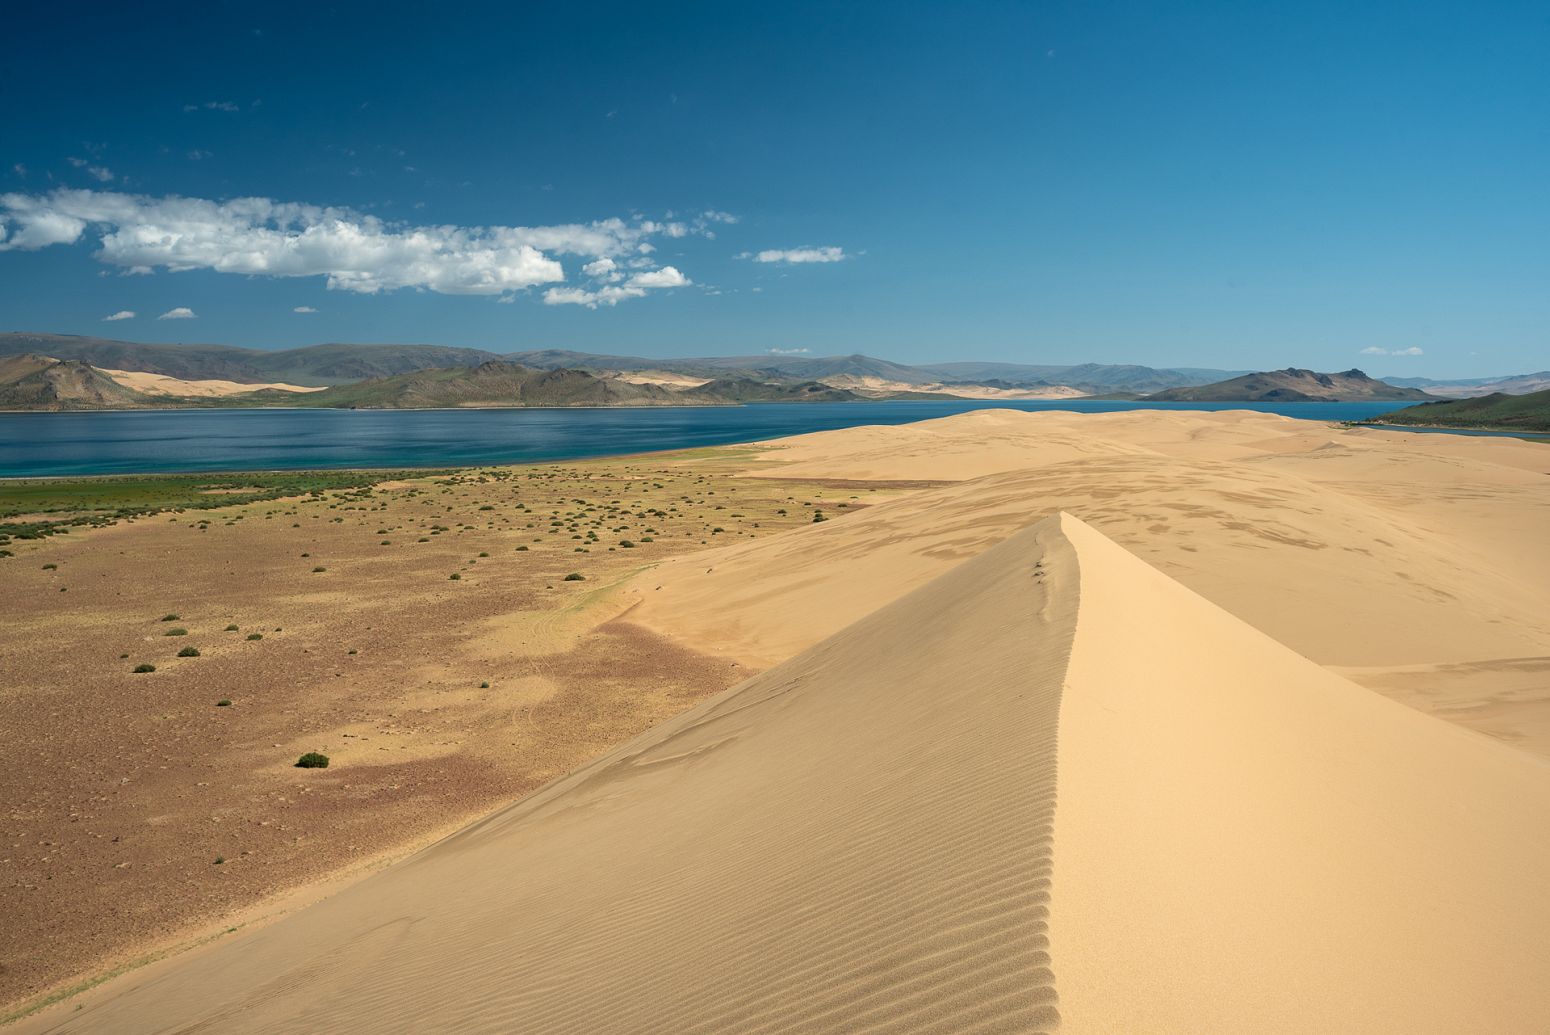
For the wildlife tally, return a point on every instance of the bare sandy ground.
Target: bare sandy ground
(1110, 770)
(1052, 788)
(421, 634)
(162, 384)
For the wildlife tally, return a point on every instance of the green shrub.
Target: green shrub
(50, 567)
(224, 702)
(818, 516)
(255, 636)
(176, 632)
(312, 760)
(189, 652)
(626, 544)
(316, 570)
(231, 628)
(169, 618)
(455, 577)
(575, 577)
(145, 668)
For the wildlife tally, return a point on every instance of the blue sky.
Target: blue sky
(1236, 184)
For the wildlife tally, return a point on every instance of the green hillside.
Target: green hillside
(1496, 412)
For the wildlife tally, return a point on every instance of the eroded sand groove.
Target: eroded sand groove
(860, 839)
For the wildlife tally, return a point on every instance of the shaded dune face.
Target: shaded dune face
(857, 840)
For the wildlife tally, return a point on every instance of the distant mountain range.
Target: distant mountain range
(103, 373)
(1496, 412)
(334, 364)
(1292, 385)
(33, 382)
(1517, 384)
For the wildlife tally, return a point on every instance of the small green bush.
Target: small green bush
(575, 577)
(626, 544)
(169, 618)
(224, 702)
(455, 577)
(145, 668)
(312, 760)
(50, 567)
(318, 569)
(521, 549)
(189, 652)
(231, 628)
(255, 636)
(176, 632)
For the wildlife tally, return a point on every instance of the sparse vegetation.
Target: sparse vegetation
(575, 576)
(176, 632)
(312, 760)
(145, 668)
(189, 652)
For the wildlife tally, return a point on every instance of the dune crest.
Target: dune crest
(867, 838)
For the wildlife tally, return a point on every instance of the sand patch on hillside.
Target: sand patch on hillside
(162, 384)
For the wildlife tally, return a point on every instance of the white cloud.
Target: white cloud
(666, 277)
(799, 255)
(1373, 350)
(602, 268)
(182, 312)
(788, 352)
(122, 314)
(612, 293)
(354, 251)
(19, 169)
(215, 106)
(304, 309)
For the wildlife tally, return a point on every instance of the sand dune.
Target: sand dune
(163, 384)
(1371, 551)
(1051, 788)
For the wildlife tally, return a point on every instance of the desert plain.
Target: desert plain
(1146, 721)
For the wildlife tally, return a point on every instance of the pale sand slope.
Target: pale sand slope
(162, 384)
(868, 838)
(869, 384)
(1418, 564)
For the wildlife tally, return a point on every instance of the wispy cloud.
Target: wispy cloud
(213, 106)
(97, 172)
(122, 314)
(182, 312)
(1374, 350)
(354, 251)
(304, 309)
(795, 256)
(788, 352)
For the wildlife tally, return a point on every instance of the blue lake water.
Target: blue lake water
(141, 441)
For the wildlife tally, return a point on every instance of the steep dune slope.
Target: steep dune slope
(857, 840)
(1246, 842)
(1052, 788)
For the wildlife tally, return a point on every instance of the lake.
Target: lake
(146, 441)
